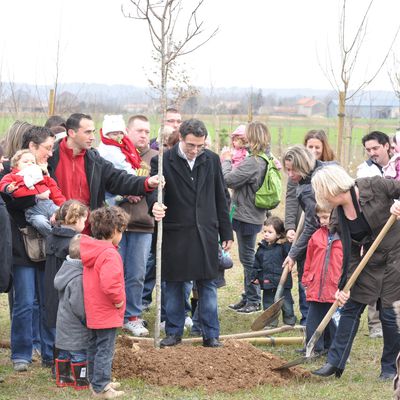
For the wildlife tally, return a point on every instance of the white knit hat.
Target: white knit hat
(113, 123)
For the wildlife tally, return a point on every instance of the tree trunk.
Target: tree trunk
(341, 117)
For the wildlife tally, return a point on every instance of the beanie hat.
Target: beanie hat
(239, 131)
(113, 123)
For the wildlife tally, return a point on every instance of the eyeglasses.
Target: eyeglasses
(191, 147)
(48, 148)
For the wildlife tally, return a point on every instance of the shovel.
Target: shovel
(321, 327)
(273, 311)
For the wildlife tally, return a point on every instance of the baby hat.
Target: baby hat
(239, 131)
(113, 123)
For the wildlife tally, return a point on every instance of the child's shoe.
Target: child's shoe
(63, 373)
(108, 393)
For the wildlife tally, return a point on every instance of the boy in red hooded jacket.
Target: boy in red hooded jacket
(104, 295)
(322, 272)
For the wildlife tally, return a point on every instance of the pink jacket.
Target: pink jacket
(103, 284)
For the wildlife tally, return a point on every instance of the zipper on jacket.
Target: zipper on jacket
(326, 264)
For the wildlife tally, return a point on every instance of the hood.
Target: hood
(70, 269)
(91, 250)
(59, 230)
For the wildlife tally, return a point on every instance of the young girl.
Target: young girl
(322, 271)
(104, 294)
(27, 179)
(116, 147)
(269, 258)
(69, 220)
(239, 143)
(392, 170)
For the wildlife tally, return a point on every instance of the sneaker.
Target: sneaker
(237, 306)
(249, 308)
(108, 393)
(20, 366)
(136, 328)
(376, 333)
(188, 323)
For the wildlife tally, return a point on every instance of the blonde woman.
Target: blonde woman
(248, 219)
(362, 208)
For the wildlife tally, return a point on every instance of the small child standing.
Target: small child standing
(239, 142)
(72, 336)
(27, 179)
(322, 272)
(70, 219)
(104, 294)
(267, 269)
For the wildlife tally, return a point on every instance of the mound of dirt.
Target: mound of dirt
(237, 365)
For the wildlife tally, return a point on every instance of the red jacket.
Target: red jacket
(103, 284)
(46, 184)
(323, 266)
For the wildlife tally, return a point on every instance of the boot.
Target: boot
(79, 370)
(63, 373)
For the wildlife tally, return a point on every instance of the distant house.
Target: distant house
(368, 107)
(308, 107)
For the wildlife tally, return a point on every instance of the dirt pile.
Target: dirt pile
(237, 365)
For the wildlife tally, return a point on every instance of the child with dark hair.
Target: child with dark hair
(267, 269)
(71, 335)
(104, 295)
(322, 272)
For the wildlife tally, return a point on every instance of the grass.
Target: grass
(359, 381)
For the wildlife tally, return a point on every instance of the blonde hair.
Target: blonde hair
(13, 138)
(330, 180)
(70, 212)
(258, 137)
(17, 157)
(303, 161)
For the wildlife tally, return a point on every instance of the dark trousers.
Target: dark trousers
(316, 313)
(347, 329)
(287, 308)
(303, 304)
(100, 356)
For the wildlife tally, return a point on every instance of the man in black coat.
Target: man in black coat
(196, 216)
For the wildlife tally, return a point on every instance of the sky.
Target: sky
(259, 44)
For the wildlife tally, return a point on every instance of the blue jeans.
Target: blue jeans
(316, 313)
(134, 250)
(39, 215)
(246, 245)
(73, 356)
(29, 281)
(347, 329)
(100, 356)
(303, 304)
(287, 307)
(175, 295)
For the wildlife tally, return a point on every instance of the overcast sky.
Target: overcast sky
(260, 43)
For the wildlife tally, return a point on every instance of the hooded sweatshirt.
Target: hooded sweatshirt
(71, 331)
(103, 283)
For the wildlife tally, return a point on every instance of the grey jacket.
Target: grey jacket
(292, 206)
(71, 331)
(245, 180)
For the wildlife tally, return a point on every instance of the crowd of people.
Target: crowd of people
(96, 210)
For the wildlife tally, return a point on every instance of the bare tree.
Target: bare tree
(350, 49)
(394, 76)
(162, 18)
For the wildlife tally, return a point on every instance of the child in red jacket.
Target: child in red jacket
(104, 295)
(27, 179)
(322, 271)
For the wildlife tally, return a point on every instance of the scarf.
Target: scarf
(127, 147)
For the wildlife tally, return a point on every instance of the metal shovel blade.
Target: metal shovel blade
(269, 315)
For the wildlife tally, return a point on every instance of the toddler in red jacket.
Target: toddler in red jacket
(104, 295)
(27, 179)
(322, 271)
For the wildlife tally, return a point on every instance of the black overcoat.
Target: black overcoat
(196, 218)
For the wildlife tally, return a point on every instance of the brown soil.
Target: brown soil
(237, 365)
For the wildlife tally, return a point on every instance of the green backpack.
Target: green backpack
(269, 194)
